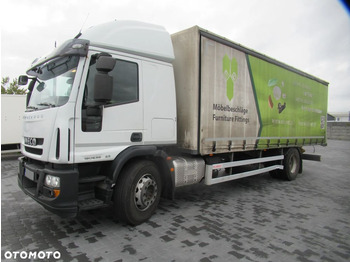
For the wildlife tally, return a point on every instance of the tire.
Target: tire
(291, 164)
(137, 192)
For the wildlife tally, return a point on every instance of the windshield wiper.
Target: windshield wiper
(47, 104)
(32, 107)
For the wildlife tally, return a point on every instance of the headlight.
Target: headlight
(52, 181)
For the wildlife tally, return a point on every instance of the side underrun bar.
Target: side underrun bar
(209, 180)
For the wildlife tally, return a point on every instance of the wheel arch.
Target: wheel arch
(151, 153)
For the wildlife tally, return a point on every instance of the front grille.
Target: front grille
(36, 151)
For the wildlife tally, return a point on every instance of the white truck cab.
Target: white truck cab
(67, 111)
(109, 91)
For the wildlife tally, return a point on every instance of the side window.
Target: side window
(125, 82)
(125, 90)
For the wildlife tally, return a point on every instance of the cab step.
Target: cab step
(91, 179)
(91, 204)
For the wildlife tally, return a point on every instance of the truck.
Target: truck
(12, 111)
(125, 113)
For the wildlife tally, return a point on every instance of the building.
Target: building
(339, 117)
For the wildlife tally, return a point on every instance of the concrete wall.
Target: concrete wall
(338, 130)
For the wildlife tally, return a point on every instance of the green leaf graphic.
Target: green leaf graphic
(230, 69)
(229, 89)
(272, 82)
(234, 67)
(226, 66)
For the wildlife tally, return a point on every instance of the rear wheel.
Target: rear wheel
(137, 193)
(291, 164)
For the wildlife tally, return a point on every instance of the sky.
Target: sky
(311, 35)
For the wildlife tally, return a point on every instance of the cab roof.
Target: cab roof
(139, 38)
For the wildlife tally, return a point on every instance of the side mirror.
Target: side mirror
(103, 85)
(22, 80)
(105, 64)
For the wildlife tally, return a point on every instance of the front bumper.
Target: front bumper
(31, 177)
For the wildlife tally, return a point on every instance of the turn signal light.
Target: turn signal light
(56, 192)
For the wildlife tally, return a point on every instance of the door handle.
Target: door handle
(136, 137)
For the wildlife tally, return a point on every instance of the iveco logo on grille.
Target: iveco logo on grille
(31, 141)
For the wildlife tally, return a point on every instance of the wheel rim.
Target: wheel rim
(146, 191)
(293, 163)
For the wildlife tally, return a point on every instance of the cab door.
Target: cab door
(104, 130)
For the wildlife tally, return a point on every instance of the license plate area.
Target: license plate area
(29, 174)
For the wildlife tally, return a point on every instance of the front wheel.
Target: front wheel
(137, 192)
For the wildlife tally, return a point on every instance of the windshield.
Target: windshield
(54, 81)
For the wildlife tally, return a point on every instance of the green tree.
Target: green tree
(11, 88)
